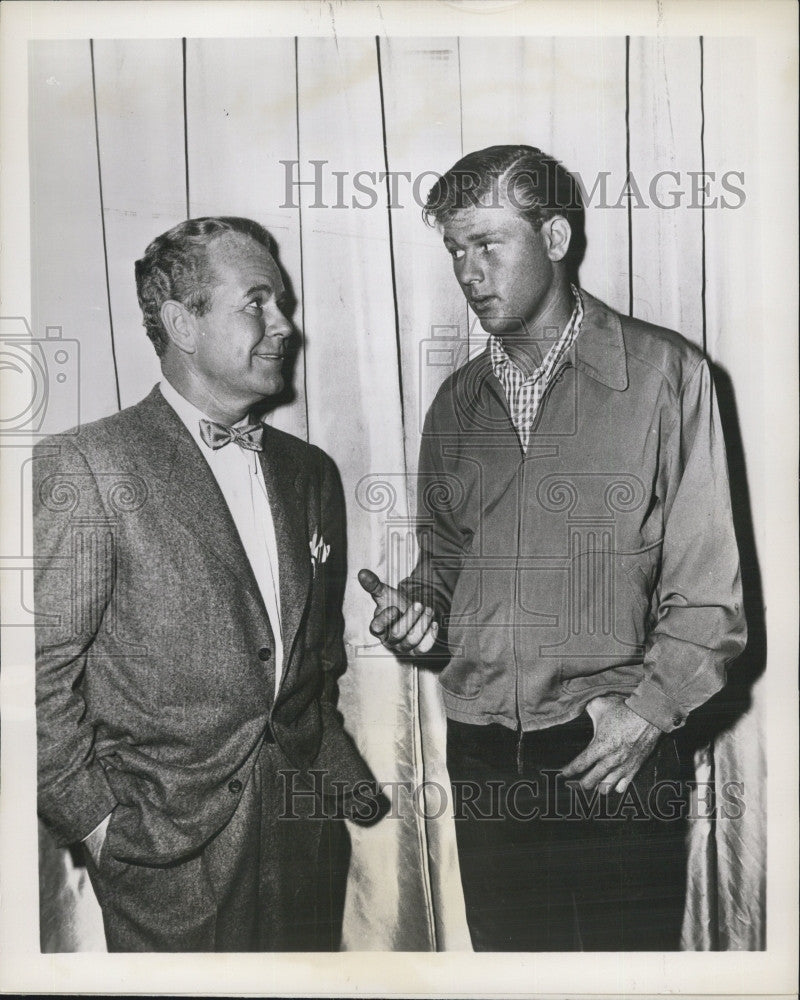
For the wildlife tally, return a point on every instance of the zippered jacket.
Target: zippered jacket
(603, 560)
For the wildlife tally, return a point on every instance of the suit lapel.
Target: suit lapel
(284, 481)
(192, 496)
(190, 491)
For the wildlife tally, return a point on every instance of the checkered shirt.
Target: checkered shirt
(525, 394)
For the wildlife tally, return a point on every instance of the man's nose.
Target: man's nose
(277, 324)
(470, 273)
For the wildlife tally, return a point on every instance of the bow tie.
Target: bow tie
(218, 435)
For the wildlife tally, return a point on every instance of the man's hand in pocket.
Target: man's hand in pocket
(622, 742)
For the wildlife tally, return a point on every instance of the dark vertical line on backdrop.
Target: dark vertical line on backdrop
(391, 250)
(460, 97)
(628, 168)
(185, 130)
(300, 228)
(461, 138)
(703, 192)
(103, 224)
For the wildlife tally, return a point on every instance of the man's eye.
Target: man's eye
(255, 306)
(456, 254)
(488, 247)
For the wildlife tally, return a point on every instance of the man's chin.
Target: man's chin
(270, 386)
(275, 385)
(499, 325)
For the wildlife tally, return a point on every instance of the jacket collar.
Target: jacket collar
(599, 351)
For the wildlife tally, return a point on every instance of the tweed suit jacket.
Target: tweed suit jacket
(155, 671)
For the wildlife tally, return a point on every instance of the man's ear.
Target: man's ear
(180, 325)
(557, 234)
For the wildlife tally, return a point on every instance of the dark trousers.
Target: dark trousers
(271, 880)
(545, 868)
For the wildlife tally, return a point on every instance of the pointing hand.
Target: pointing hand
(399, 624)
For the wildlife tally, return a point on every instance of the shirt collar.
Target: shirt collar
(500, 358)
(188, 413)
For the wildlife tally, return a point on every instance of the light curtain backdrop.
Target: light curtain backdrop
(130, 137)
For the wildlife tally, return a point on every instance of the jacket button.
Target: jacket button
(264, 653)
(234, 786)
(677, 719)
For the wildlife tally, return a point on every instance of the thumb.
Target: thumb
(371, 582)
(383, 595)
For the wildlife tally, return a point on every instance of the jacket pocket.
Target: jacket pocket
(460, 679)
(605, 679)
(106, 864)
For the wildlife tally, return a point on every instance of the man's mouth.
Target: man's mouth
(480, 302)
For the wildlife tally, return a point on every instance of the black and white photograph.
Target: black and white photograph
(398, 431)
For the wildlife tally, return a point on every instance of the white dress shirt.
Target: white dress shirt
(241, 479)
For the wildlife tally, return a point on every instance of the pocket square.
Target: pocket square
(319, 550)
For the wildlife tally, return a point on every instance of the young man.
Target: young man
(189, 627)
(583, 585)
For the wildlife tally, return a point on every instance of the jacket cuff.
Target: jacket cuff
(78, 805)
(651, 704)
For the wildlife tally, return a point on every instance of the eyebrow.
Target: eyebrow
(476, 236)
(259, 288)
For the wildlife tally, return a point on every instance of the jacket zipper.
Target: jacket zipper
(557, 376)
(517, 700)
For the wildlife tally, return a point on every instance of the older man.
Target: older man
(189, 629)
(582, 583)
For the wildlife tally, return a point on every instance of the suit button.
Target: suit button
(677, 719)
(234, 786)
(264, 653)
